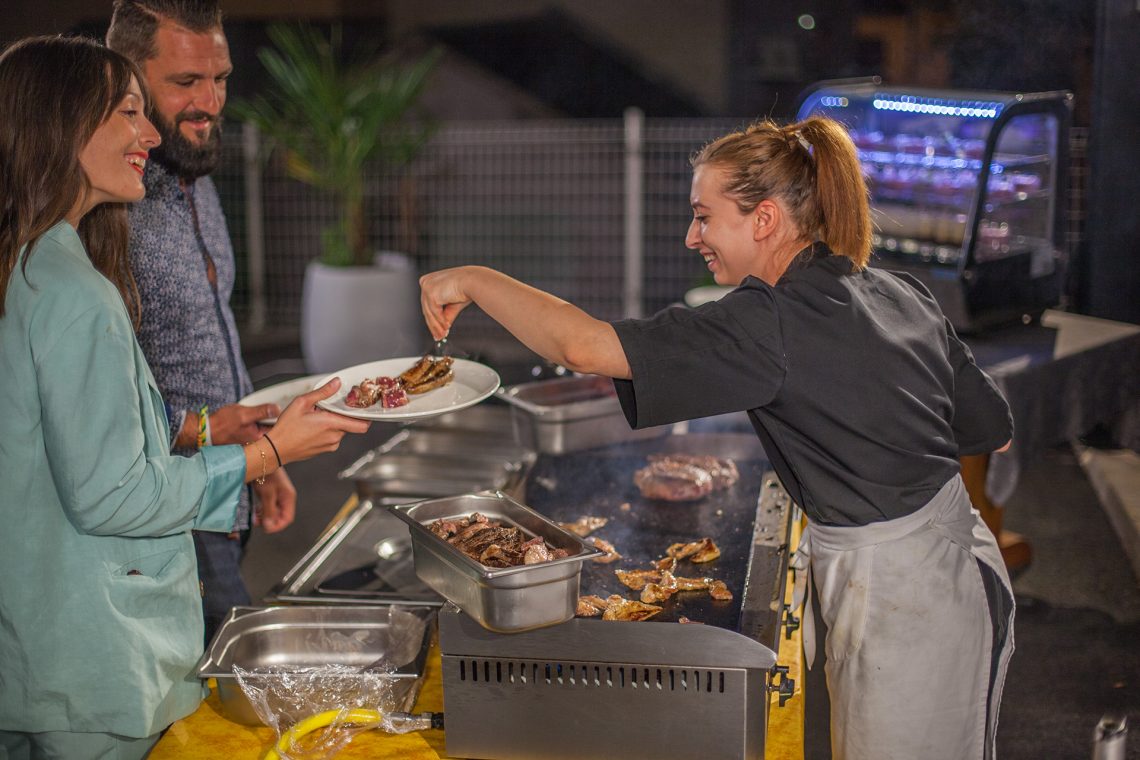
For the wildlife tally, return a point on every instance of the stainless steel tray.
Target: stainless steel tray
(505, 600)
(462, 452)
(364, 558)
(566, 414)
(311, 636)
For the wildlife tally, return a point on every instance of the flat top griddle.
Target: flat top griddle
(599, 481)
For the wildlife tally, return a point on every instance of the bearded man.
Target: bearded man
(183, 263)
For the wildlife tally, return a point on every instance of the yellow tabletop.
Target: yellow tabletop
(206, 734)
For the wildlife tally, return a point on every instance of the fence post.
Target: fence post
(254, 228)
(634, 237)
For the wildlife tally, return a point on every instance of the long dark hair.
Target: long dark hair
(54, 94)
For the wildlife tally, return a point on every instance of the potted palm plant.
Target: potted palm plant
(333, 117)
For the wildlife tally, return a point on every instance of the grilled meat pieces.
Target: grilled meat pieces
(723, 471)
(591, 605)
(636, 579)
(683, 477)
(494, 544)
(385, 390)
(432, 384)
(584, 525)
(658, 583)
(428, 374)
(425, 375)
(657, 586)
(611, 554)
(415, 373)
(615, 608)
(620, 608)
(671, 584)
(669, 481)
(704, 550)
(718, 590)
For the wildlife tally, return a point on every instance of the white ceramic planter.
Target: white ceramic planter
(352, 315)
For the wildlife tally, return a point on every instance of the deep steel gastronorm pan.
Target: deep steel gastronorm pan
(506, 599)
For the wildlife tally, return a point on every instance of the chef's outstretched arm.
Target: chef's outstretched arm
(554, 329)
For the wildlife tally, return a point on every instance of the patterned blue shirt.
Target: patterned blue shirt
(188, 332)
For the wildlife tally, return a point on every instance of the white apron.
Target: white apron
(910, 644)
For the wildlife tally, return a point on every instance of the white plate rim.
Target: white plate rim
(272, 394)
(350, 376)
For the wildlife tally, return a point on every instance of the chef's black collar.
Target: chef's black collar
(811, 253)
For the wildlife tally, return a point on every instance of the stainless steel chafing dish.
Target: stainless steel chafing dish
(566, 414)
(303, 636)
(366, 556)
(508, 599)
(460, 452)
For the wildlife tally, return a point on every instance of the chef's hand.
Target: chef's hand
(276, 502)
(238, 424)
(442, 297)
(303, 430)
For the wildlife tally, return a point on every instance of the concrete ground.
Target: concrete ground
(1078, 620)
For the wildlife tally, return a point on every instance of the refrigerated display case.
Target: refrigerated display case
(967, 190)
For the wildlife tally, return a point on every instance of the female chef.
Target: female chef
(863, 398)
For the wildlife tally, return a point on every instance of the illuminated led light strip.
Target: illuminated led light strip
(978, 109)
(939, 162)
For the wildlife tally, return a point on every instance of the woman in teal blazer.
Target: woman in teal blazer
(100, 619)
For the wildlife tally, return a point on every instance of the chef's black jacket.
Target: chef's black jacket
(859, 390)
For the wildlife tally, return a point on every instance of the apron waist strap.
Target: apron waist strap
(945, 508)
(940, 506)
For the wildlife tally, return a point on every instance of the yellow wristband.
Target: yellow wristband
(204, 426)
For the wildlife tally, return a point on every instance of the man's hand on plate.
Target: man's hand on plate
(238, 424)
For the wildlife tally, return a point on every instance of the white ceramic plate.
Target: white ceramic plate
(280, 394)
(473, 382)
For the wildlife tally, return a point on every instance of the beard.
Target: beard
(183, 158)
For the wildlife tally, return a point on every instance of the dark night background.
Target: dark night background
(761, 57)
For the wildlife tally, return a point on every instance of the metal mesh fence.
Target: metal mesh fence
(543, 201)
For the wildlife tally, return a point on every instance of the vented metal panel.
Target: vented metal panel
(519, 708)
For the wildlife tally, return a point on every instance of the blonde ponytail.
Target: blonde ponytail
(840, 190)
